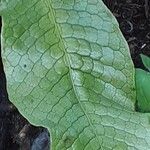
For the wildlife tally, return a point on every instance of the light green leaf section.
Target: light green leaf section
(68, 69)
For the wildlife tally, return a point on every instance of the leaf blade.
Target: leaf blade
(146, 61)
(77, 80)
(143, 86)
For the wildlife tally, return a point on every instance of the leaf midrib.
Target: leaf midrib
(47, 3)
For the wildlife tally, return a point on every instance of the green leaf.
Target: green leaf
(146, 61)
(69, 69)
(143, 86)
(143, 90)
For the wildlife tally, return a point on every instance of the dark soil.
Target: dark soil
(134, 19)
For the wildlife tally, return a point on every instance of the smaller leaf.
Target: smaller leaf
(143, 90)
(146, 61)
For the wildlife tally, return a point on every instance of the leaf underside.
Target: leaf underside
(69, 69)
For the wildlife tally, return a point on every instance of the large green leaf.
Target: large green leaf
(68, 69)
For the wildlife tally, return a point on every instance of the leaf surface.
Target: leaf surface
(146, 61)
(69, 69)
(143, 90)
(143, 86)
